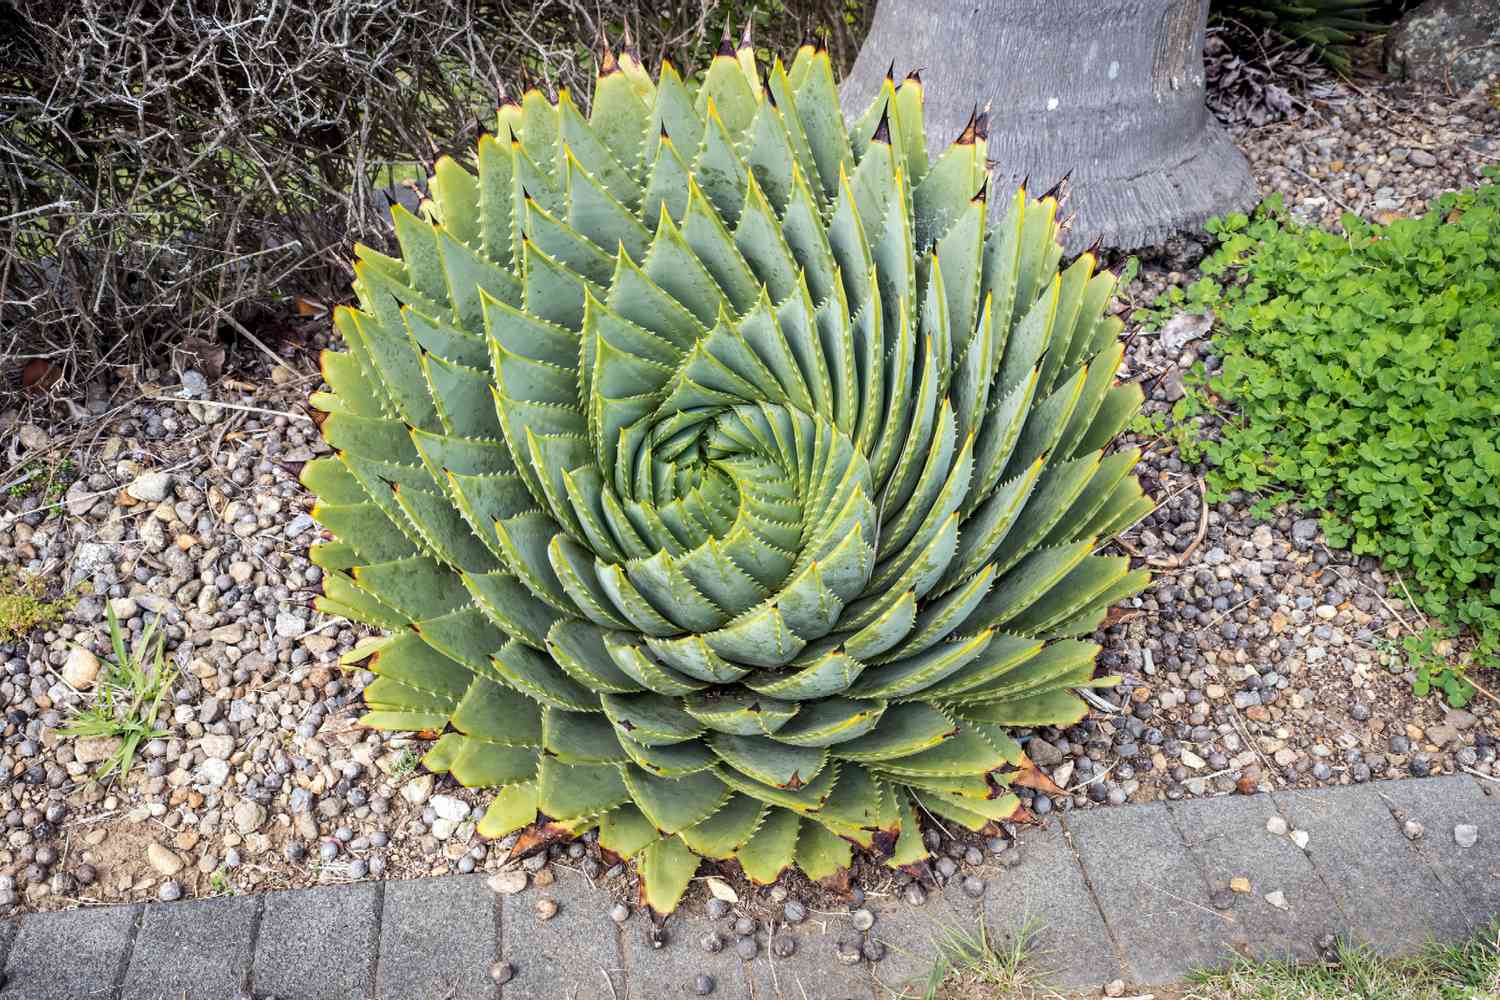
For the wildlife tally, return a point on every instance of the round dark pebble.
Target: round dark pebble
(783, 946)
(703, 985)
(718, 909)
(745, 926)
(794, 912)
(502, 972)
(873, 950)
(746, 948)
(712, 942)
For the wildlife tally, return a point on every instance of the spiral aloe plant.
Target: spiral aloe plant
(720, 477)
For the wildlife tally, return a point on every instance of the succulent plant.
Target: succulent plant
(721, 478)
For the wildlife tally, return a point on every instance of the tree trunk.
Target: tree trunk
(1109, 92)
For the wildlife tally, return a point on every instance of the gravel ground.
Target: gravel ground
(1258, 659)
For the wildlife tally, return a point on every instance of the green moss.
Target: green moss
(24, 607)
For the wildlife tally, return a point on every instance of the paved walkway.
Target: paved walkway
(1125, 892)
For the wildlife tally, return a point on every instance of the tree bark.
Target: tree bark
(1109, 92)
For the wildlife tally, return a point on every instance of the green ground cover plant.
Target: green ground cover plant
(1364, 369)
(128, 700)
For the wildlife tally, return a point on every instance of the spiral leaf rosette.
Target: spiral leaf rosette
(720, 477)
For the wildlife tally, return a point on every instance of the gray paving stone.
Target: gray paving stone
(666, 971)
(814, 971)
(318, 944)
(192, 951)
(568, 956)
(70, 955)
(1228, 836)
(910, 935)
(437, 940)
(1154, 895)
(1047, 890)
(8, 928)
(1440, 804)
(1393, 896)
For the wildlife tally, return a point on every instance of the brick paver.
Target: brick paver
(71, 955)
(195, 951)
(437, 940)
(1152, 891)
(575, 954)
(318, 944)
(672, 968)
(1440, 804)
(1047, 891)
(1391, 892)
(1229, 838)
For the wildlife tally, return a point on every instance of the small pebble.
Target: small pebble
(746, 948)
(1413, 830)
(619, 913)
(873, 950)
(170, 891)
(718, 908)
(502, 972)
(1276, 826)
(862, 919)
(794, 912)
(1465, 835)
(703, 985)
(783, 946)
(546, 908)
(712, 942)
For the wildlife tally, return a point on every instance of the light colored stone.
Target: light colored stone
(289, 625)
(1193, 761)
(249, 816)
(450, 808)
(163, 860)
(228, 634)
(1261, 537)
(150, 487)
(1300, 838)
(1277, 826)
(442, 828)
(1413, 830)
(1466, 835)
(508, 882)
(125, 608)
(1277, 899)
(81, 669)
(217, 746)
(241, 572)
(214, 771)
(417, 790)
(1239, 884)
(94, 749)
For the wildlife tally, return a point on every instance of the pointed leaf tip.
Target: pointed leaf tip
(745, 35)
(883, 129)
(1059, 191)
(890, 73)
(967, 136)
